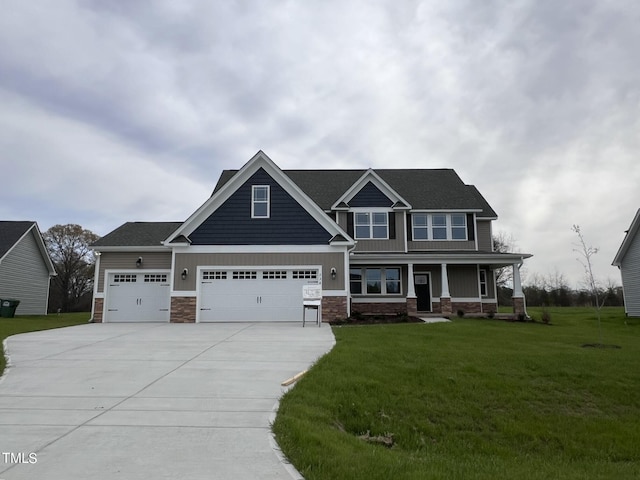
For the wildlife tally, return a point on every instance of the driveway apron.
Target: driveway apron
(150, 401)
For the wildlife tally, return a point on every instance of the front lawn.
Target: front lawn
(480, 399)
(33, 323)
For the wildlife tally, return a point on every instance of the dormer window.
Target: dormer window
(260, 199)
(373, 225)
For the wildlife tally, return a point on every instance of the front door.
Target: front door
(423, 291)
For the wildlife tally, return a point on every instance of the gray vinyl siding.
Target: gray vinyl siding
(370, 196)
(484, 235)
(463, 281)
(127, 261)
(392, 245)
(191, 261)
(424, 245)
(436, 280)
(24, 276)
(630, 272)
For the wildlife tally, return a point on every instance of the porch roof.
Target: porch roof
(493, 259)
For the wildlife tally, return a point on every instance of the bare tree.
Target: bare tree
(69, 248)
(504, 243)
(587, 252)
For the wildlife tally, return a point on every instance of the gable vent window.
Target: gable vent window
(245, 275)
(260, 199)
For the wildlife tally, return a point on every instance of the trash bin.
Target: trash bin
(8, 307)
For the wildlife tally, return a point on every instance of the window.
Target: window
(483, 283)
(125, 278)
(245, 275)
(377, 281)
(274, 274)
(374, 280)
(157, 278)
(260, 201)
(439, 226)
(371, 225)
(355, 276)
(302, 274)
(214, 275)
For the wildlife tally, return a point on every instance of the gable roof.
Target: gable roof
(628, 240)
(137, 234)
(422, 189)
(224, 190)
(11, 232)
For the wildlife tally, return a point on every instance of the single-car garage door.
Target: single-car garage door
(253, 294)
(138, 297)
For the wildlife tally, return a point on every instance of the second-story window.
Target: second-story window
(371, 225)
(260, 201)
(439, 226)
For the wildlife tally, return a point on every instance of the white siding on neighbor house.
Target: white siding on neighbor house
(24, 276)
(630, 271)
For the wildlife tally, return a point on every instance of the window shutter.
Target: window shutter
(471, 230)
(409, 228)
(392, 225)
(350, 223)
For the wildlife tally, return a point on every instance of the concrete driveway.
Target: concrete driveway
(150, 401)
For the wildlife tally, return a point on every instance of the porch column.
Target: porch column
(411, 289)
(445, 296)
(412, 299)
(518, 296)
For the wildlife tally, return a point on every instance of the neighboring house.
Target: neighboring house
(628, 261)
(25, 267)
(378, 241)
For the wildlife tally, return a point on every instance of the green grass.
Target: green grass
(33, 323)
(481, 399)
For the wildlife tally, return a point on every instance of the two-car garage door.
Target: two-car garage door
(253, 294)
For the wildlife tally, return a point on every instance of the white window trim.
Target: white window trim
(370, 211)
(449, 228)
(254, 201)
(383, 280)
(486, 282)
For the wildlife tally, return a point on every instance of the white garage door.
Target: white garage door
(138, 297)
(253, 295)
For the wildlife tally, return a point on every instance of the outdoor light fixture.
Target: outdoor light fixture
(139, 262)
(333, 273)
(184, 274)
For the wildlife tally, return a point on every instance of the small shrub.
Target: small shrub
(460, 313)
(546, 316)
(491, 314)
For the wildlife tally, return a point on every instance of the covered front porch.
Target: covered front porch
(431, 283)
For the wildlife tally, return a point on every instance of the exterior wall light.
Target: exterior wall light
(139, 262)
(184, 274)
(333, 273)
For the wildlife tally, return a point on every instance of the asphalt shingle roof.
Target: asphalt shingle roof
(10, 233)
(138, 234)
(429, 189)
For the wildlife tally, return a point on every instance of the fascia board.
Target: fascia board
(259, 160)
(628, 239)
(450, 210)
(131, 248)
(491, 258)
(370, 175)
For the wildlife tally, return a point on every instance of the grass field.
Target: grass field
(32, 323)
(471, 399)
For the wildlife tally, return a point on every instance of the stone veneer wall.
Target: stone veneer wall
(379, 308)
(183, 309)
(98, 304)
(334, 308)
(467, 307)
(412, 307)
(518, 305)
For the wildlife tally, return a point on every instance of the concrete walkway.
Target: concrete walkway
(149, 401)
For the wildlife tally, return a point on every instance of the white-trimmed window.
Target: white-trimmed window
(375, 281)
(260, 199)
(484, 291)
(439, 226)
(374, 225)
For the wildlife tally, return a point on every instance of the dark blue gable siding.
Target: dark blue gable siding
(370, 196)
(288, 224)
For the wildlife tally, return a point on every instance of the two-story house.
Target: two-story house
(378, 241)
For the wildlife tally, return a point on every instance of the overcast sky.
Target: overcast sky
(115, 111)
